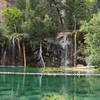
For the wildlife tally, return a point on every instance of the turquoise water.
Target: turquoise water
(30, 87)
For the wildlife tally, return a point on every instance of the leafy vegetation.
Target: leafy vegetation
(93, 39)
(13, 18)
(39, 28)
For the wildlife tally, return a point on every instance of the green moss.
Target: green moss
(67, 69)
(54, 97)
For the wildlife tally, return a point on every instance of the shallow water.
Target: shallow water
(30, 87)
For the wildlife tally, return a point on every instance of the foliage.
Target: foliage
(37, 27)
(76, 11)
(13, 17)
(3, 30)
(93, 39)
(90, 1)
(65, 14)
(20, 4)
(3, 38)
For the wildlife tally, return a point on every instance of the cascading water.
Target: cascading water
(4, 58)
(66, 58)
(66, 43)
(13, 51)
(19, 51)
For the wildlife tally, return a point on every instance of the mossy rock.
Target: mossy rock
(54, 97)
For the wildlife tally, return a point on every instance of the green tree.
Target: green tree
(66, 14)
(13, 19)
(92, 39)
(76, 11)
(39, 28)
(42, 8)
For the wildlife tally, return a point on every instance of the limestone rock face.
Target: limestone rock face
(3, 5)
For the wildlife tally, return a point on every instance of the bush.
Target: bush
(92, 39)
(13, 18)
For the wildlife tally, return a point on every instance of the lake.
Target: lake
(40, 87)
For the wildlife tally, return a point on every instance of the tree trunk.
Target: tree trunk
(75, 49)
(24, 55)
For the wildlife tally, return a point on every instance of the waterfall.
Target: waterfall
(19, 51)
(4, 58)
(66, 44)
(13, 51)
(66, 58)
(75, 49)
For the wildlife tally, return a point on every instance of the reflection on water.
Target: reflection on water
(65, 87)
